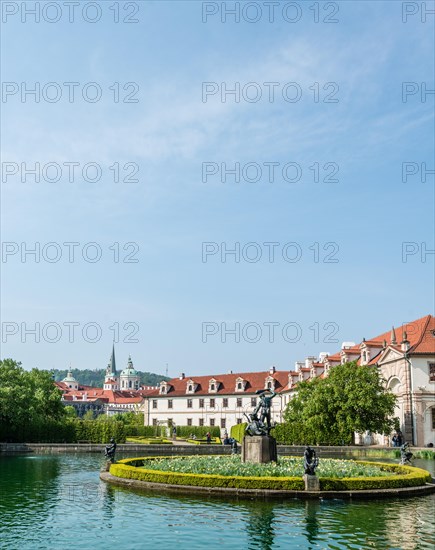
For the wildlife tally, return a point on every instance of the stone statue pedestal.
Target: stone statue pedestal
(312, 483)
(107, 465)
(259, 449)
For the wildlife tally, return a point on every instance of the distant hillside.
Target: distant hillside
(95, 378)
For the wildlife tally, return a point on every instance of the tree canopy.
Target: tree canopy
(330, 410)
(27, 396)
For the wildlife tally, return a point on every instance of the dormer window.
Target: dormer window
(213, 385)
(163, 388)
(191, 386)
(270, 383)
(240, 384)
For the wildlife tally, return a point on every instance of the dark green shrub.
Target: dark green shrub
(134, 430)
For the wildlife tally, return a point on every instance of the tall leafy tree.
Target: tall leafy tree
(26, 396)
(330, 410)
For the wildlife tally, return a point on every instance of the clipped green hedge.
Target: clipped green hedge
(200, 431)
(133, 430)
(214, 441)
(66, 430)
(99, 431)
(406, 476)
(126, 470)
(149, 440)
(238, 431)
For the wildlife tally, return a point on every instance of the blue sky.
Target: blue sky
(170, 292)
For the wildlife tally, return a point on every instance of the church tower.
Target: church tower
(111, 379)
(70, 381)
(130, 378)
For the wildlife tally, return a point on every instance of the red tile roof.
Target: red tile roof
(254, 381)
(351, 350)
(334, 357)
(419, 334)
(108, 396)
(426, 343)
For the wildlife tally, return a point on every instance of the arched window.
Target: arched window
(394, 385)
(239, 385)
(129, 383)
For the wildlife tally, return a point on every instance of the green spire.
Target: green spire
(112, 363)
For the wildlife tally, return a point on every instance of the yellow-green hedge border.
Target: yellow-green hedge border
(407, 476)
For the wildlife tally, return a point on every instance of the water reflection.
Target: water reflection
(259, 527)
(311, 521)
(108, 495)
(58, 501)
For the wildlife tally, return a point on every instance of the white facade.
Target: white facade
(408, 371)
(223, 411)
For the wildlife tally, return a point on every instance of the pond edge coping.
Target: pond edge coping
(401, 492)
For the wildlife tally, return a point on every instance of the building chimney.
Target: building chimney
(272, 370)
(181, 375)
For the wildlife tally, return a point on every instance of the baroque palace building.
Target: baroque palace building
(405, 357)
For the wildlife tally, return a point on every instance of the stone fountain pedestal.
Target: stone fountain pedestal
(312, 483)
(259, 449)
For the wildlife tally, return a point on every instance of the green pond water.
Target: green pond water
(58, 501)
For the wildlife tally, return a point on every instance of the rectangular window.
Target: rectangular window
(225, 402)
(189, 404)
(201, 422)
(211, 421)
(433, 418)
(169, 403)
(212, 403)
(223, 423)
(154, 403)
(201, 403)
(253, 401)
(431, 372)
(239, 421)
(189, 421)
(239, 402)
(154, 421)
